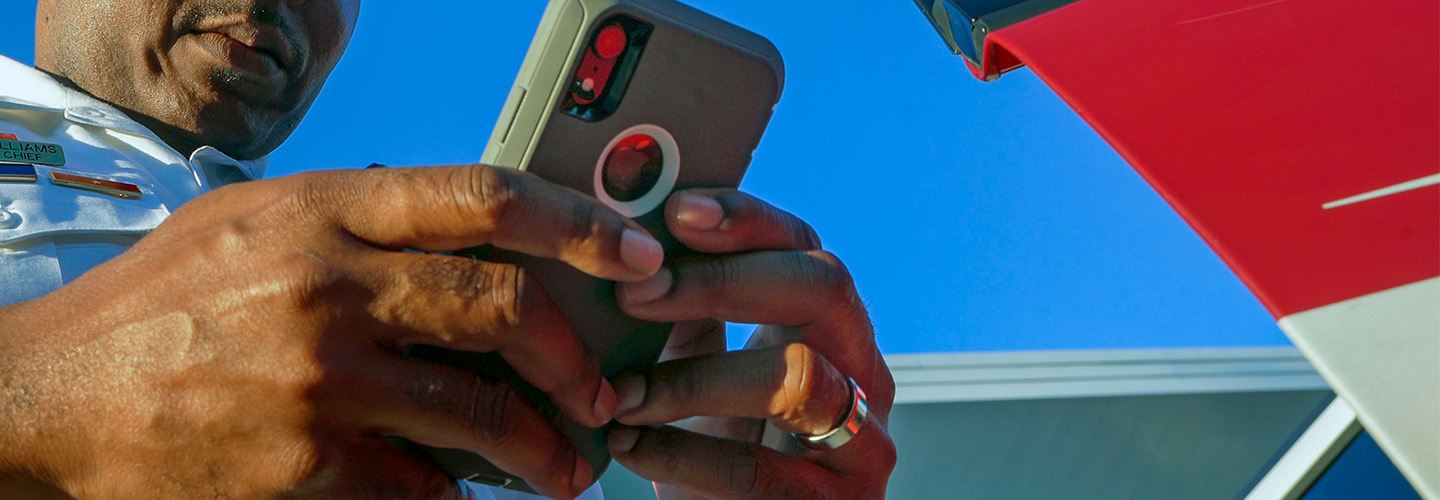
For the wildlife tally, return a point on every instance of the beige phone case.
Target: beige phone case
(708, 85)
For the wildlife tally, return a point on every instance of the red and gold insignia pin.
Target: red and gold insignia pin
(102, 186)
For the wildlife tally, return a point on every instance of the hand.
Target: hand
(761, 266)
(250, 347)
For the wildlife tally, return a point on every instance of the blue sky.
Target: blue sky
(974, 216)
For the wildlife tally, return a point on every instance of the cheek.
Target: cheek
(332, 23)
(111, 48)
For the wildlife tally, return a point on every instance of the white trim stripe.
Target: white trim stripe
(997, 376)
(1429, 180)
(1311, 454)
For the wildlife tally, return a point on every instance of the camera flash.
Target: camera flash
(611, 42)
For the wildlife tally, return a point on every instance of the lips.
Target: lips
(260, 50)
(239, 56)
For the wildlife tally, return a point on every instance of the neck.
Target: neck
(182, 141)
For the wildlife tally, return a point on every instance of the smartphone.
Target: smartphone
(629, 101)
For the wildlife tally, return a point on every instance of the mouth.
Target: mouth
(260, 50)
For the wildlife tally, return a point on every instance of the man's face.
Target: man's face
(234, 74)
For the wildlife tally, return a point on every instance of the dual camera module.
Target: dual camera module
(637, 170)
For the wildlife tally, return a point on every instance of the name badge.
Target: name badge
(34, 153)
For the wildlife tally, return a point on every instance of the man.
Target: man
(248, 346)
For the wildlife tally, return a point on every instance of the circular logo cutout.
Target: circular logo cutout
(637, 170)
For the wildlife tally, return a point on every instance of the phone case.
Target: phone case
(709, 85)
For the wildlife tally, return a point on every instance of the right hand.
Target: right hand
(250, 347)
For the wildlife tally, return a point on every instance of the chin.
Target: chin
(241, 133)
(244, 125)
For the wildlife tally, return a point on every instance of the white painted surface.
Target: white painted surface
(1002, 376)
(1312, 453)
(1381, 352)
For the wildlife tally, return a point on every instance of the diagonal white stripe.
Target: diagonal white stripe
(1317, 448)
(1429, 180)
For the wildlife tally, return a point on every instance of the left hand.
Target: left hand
(764, 266)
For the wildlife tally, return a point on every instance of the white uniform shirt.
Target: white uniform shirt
(51, 234)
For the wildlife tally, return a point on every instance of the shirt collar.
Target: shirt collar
(27, 87)
(214, 163)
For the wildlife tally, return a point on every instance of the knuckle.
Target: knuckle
(764, 482)
(884, 383)
(804, 235)
(499, 298)
(305, 193)
(666, 446)
(745, 469)
(825, 272)
(231, 237)
(679, 387)
(305, 279)
(585, 226)
(439, 394)
(796, 230)
(887, 455)
(459, 277)
(495, 414)
(491, 195)
(512, 291)
(715, 276)
(304, 464)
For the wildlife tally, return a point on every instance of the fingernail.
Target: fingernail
(641, 252)
(631, 392)
(701, 213)
(622, 439)
(605, 402)
(581, 481)
(645, 292)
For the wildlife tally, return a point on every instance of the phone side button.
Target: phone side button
(512, 110)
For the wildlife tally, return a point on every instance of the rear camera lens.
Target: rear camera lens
(632, 168)
(611, 42)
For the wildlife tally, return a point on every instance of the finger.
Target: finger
(451, 208)
(783, 288)
(738, 429)
(792, 385)
(811, 291)
(696, 338)
(380, 471)
(447, 407)
(728, 469)
(693, 338)
(728, 221)
(476, 306)
(671, 492)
